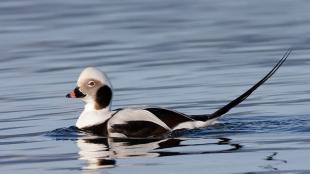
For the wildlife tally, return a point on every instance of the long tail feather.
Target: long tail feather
(242, 97)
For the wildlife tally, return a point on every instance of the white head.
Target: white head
(93, 87)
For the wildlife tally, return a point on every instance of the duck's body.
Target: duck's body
(94, 88)
(138, 122)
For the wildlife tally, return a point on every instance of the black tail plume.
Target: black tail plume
(242, 97)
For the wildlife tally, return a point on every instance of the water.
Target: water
(191, 56)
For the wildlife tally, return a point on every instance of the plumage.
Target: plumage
(94, 88)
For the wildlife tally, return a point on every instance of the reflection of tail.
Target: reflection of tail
(242, 97)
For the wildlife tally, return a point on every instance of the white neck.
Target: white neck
(90, 116)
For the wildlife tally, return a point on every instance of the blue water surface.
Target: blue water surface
(191, 56)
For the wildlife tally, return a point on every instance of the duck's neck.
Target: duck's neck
(92, 116)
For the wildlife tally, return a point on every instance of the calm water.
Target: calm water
(192, 56)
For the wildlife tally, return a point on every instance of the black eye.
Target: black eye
(91, 84)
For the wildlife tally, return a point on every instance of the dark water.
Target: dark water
(192, 56)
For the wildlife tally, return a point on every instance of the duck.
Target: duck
(95, 89)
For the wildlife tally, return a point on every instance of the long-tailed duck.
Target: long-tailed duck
(94, 88)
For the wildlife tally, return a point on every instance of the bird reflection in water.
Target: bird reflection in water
(103, 152)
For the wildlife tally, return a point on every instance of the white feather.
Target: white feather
(132, 114)
(194, 124)
(93, 73)
(90, 116)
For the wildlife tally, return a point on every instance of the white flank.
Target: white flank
(194, 124)
(131, 114)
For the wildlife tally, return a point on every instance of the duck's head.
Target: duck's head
(93, 87)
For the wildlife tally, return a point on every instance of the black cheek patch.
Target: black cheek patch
(103, 97)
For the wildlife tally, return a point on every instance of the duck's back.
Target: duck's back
(145, 122)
